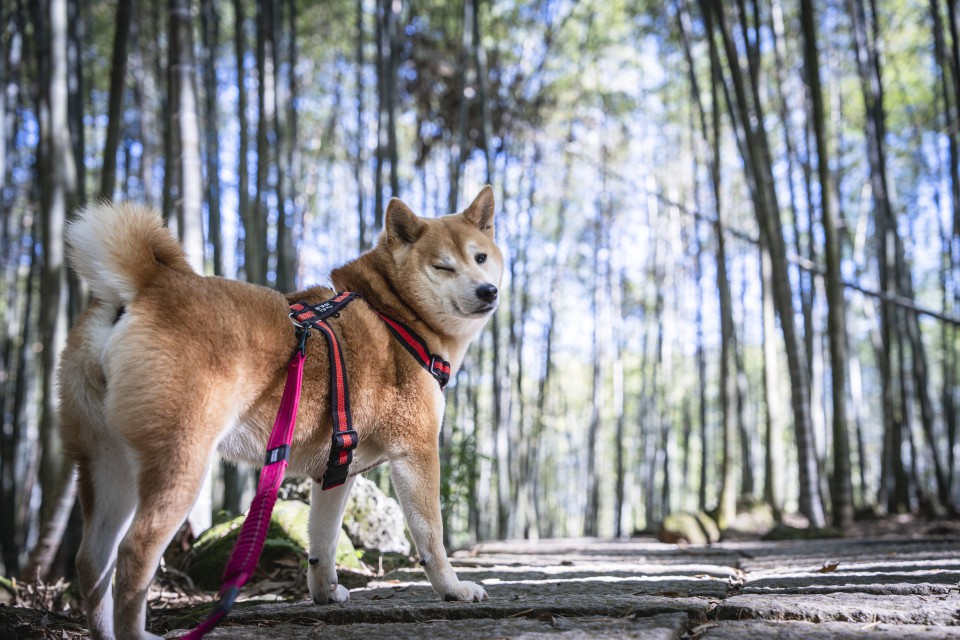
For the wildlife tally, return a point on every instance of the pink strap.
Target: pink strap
(253, 533)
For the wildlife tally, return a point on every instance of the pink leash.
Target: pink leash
(253, 533)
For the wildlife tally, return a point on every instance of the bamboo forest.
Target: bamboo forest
(731, 236)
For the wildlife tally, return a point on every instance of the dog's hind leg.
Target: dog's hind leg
(170, 479)
(326, 517)
(416, 477)
(108, 497)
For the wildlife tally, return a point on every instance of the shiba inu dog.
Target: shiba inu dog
(166, 366)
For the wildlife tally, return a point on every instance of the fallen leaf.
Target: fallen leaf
(829, 567)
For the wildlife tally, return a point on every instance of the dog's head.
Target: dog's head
(448, 267)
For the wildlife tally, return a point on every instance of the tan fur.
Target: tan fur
(166, 366)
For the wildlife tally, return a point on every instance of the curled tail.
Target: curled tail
(117, 249)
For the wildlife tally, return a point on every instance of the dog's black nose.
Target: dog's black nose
(487, 292)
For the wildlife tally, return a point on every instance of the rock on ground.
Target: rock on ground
(286, 540)
(373, 520)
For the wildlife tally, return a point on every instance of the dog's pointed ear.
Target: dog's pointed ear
(481, 211)
(402, 224)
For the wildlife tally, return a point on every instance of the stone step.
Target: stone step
(546, 627)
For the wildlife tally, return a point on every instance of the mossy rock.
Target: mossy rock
(390, 560)
(786, 532)
(709, 526)
(691, 528)
(286, 539)
(753, 517)
(373, 520)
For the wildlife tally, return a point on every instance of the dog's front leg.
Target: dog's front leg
(416, 478)
(326, 518)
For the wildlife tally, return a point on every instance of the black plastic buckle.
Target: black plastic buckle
(435, 367)
(276, 454)
(302, 334)
(338, 440)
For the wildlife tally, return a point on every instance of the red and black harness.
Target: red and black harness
(309, 317)
(253, 533)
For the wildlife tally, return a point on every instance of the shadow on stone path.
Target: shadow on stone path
(579, 588)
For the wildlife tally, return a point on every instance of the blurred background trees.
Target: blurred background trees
(732, 233)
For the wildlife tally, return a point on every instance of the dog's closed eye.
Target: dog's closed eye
(443, 267)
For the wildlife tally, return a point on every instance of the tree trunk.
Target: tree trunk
(118, 73)
(712, 155)
(485, 125)
(12, 60)
(76, 108)
(358, 160)
(727, 499)
(381, 35)
(392, 8)
(186, 134)
(43, 553)
(591, 527)
(760, 180)
(58, 198)
(18, 343)
(951, 112)
(252, 257)
(704, 476)
(745, 427)
(210, 28)
(236, 477)
(841, 489)
(266, 72)
(893, 272)
(286, 214)
(466, 71)
(170, 181)
(773, 490)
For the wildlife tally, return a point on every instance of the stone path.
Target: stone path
(900, 589)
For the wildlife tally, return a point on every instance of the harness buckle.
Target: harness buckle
(436, 367)
(302, 334)
(345, 440)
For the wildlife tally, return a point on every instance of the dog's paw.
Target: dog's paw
(340, 594)
(336, 595)
(468, 591)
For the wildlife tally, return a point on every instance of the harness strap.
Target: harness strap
(417, 347)
(306, 315)
(344, 437)
(253, 532)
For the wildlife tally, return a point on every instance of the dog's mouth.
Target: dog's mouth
(476, 310)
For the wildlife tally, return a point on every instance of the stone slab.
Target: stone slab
(660, 627)
(941, 610)
(879, 567)
(765, 556)
(853, 580)
(583, 567)
(389, 609)
(796, 630)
